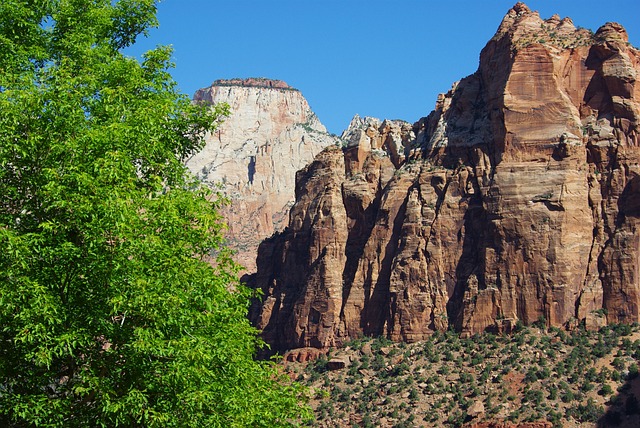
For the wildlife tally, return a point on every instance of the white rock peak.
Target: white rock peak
(254, 155)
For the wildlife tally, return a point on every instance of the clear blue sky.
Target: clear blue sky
(387, 59)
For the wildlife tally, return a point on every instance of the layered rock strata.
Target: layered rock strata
(254, 155)
(516, 200)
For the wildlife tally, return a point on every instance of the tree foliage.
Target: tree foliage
(118, 302)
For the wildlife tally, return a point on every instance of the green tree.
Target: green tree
(118, 301)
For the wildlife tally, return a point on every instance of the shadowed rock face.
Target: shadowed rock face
(254, 154)
(516, 199)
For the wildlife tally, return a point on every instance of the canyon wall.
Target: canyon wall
(516, 200)
(253, 156)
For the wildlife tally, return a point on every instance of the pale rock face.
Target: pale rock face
(254, 155)
(516, 199)
(388, 137)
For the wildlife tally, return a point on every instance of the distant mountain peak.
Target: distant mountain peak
(254, 155)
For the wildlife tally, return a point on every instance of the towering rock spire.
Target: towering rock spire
(518, 199)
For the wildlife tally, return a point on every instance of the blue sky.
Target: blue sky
(382, 58)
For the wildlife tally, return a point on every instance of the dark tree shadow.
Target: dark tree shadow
(623, 409)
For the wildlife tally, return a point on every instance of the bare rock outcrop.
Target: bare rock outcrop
(516, 199)
(254, 155)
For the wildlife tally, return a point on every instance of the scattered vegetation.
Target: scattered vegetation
(549, 36)
(573, 378)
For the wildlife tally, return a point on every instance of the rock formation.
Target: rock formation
(270, 134)
(516, 200)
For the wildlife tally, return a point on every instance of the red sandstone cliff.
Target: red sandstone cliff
(517, 198)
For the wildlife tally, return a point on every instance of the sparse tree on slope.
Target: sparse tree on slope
(110, 314)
